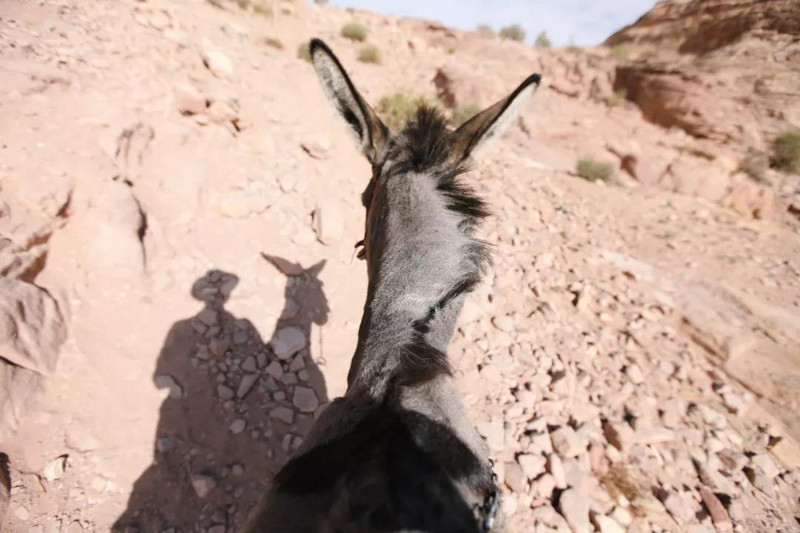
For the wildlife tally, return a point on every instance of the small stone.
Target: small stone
(74, 527)
(284, 414)
(289, 378)
(298, 363)
(240, 337)
(288, 341)
(606, 524)
(218, 63)
(566, 442)
(556, 468)
(719, 516)
(328, 222)
(164, 381)
(543, 487)
(237, 426)
(203, 484)
(622, 516)
(677, 507)
(619, 434)
(305, 399)
(246, 384)
(224, 392)
(787, 452)
(279, 396)
(55, 468)
(532, 465)
(634, 373)
(515, 477)
(275, 370)
(237, 469)
(760, 480)
(493, 431)
(766, 464)
(188, 100)
(217, 528)
(261, 358)
(316, 149)
(249, 364)
(574, 507)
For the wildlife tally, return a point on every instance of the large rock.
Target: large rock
(32, 326)
(720, 69)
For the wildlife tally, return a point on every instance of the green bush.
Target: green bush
(354, 31)
(542, 40)
(369, 53)
(304, 52)
(592, 170)
(786, 152)
(620, 52)
(515, 32)
(464, 112)
(395, 109)
(755, 164)
(486, 31)
(272, 42)
(618, 98)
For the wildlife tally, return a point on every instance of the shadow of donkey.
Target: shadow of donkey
(236, 407)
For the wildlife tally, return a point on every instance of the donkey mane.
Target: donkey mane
(424, 146)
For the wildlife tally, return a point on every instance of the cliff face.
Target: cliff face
(727, 70)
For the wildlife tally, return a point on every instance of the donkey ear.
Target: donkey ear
(492, 121)
(371, 134)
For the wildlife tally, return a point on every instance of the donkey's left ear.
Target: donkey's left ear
(492, 121)
(371, 134)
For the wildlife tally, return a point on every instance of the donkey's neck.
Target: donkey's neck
(428, 262)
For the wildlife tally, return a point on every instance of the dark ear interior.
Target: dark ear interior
(370, 133)
(492, 121)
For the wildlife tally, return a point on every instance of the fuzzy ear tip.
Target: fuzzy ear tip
(535, 79)
(316, 43)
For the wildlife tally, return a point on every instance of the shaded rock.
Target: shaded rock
(224, 392)
(237, 426)
(305, 399)
(284, 414)
(246, 385)
(287, 342)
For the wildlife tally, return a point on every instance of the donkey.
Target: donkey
(397, 452)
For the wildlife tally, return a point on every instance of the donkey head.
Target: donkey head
(425, 145)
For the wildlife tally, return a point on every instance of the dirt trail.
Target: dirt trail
(633, 357)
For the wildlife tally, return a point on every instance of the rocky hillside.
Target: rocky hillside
(180, 299)
(725, 70)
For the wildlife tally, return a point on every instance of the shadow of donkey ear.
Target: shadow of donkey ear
(314, 270)
(286, 267)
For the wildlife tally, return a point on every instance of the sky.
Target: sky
(581, 22)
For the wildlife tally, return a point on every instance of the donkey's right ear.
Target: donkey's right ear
(371, 134)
